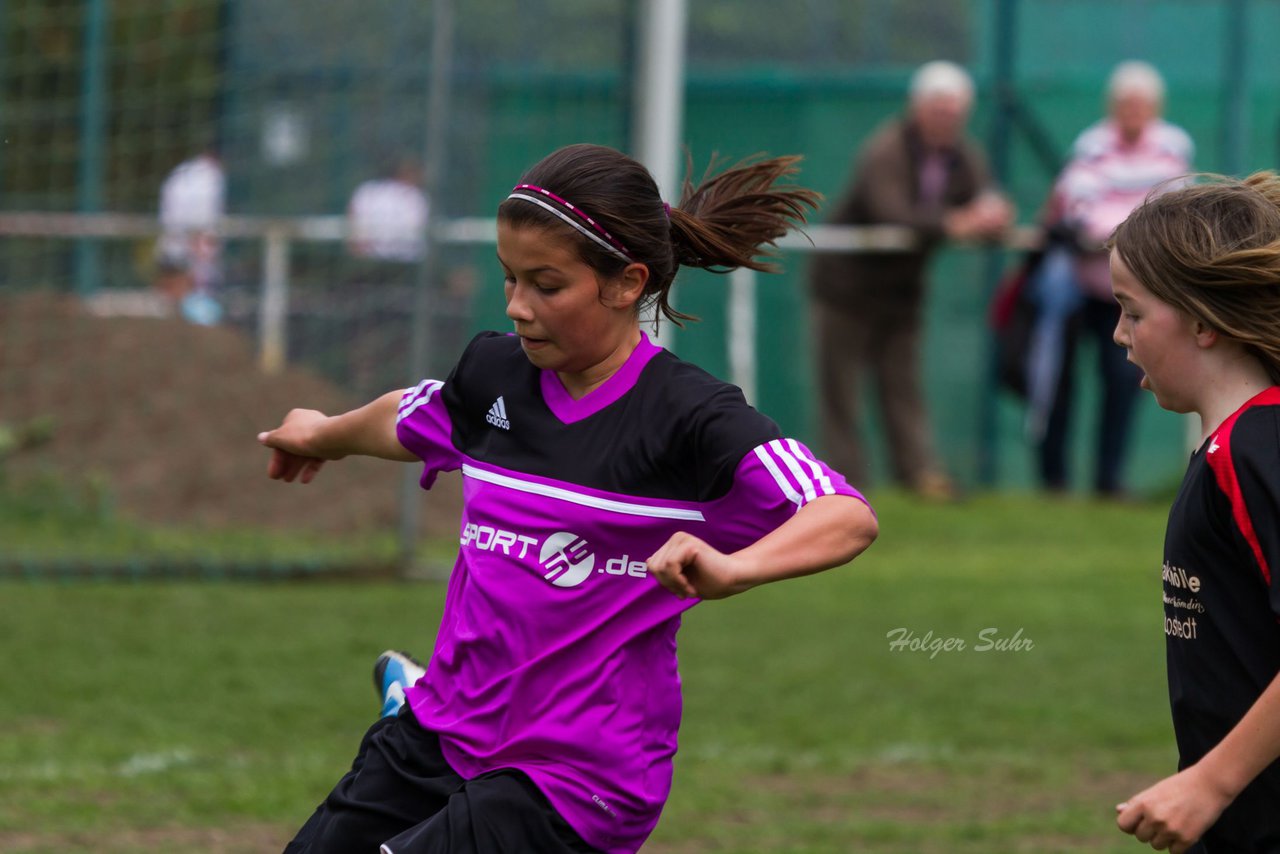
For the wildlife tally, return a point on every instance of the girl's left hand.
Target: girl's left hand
(689, 568)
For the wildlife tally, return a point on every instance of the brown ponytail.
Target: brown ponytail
(723, 222)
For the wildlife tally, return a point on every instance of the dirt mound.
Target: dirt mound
(164, 415)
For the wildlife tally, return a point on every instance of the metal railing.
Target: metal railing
(277, 235)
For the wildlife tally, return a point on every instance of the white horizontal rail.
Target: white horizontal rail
(463, 230)
(277, 233)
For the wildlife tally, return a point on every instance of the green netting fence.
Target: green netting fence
(126, 432)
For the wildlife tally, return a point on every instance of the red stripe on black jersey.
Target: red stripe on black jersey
(1219, 458)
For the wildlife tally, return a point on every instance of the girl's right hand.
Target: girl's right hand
(1174, 813)
(294, 450)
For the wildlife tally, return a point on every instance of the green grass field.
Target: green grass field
(213, 716)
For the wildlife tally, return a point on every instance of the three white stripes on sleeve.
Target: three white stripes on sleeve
(419, 395)
(805, 472)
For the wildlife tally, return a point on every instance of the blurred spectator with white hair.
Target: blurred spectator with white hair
(922, 171)
(1114, 164)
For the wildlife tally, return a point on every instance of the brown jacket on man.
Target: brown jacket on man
(885, 191)
(868, 309)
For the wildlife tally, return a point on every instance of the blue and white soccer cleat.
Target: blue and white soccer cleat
(394, 672)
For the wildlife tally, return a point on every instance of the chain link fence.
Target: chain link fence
(134, 375)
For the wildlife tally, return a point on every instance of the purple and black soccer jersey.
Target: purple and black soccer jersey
(556, 652)
(1222, 604)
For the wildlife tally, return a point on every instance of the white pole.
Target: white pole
(659, 99)
(742, 331)
(274, 308)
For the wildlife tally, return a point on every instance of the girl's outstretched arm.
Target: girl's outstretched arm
(827, 532)
(307, 438)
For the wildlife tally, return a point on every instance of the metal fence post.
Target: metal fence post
(93, 141)
(273, 311)
(1235, 84)
(1006, 28)
(435, 161)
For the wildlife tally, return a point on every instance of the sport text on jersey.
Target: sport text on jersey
(563, 558)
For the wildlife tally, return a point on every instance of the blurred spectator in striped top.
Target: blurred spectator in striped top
(1114, 165)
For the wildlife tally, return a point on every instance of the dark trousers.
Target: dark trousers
(884, 346)
(402, 795)
(1096, 319)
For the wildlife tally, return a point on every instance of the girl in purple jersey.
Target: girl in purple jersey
(608, 487)
(1197, 276)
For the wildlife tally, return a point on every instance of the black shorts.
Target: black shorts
(401, 797)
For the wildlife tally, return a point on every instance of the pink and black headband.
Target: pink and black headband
(531, 193)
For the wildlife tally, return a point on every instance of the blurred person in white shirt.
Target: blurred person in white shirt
(188, 255)
(387, 244)
(387, 216)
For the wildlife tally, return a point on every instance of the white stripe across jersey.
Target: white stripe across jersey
(609, 504)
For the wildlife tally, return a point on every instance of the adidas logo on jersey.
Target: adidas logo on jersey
(497, 415)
